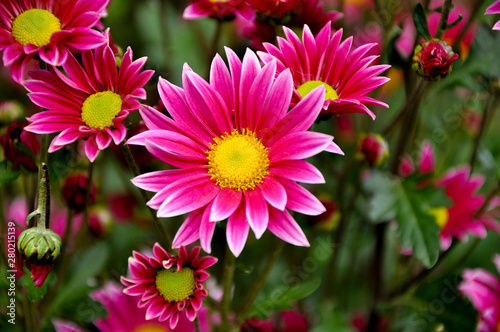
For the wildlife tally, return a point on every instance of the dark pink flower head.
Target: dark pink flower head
(494, 8)
(433, 59)
(89, 101)
(460, 218)
(47, 30)
(373, 149)
(218, 9)
(238, 152)
(169, 286)
(15, 134)
(346, 75)
(313, 14)
(74, 191)
(483, 290)
(426, 161)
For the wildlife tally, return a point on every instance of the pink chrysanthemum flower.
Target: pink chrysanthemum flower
(494, 8)
(169, 286)
(218, 9)
(47, 30)
(483, 289)
(460, 218)
(346, 75)
(87, 102)
(238, 151)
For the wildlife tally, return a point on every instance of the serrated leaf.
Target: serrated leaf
(382, 204)
(282, 298)
(417, 227)
(7, 173)
(420, 22)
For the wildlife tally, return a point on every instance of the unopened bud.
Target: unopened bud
(433, 59)
(373, 149)
(40, 247)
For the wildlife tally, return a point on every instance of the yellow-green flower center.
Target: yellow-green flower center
(175, 286)
(151, 327)
(238, 160)
(35, 26)
(308, 86)
(99, 109)
(441, 214)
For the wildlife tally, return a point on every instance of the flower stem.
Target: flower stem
(197, 324)
(443, 20)
(227, 283)
(167, 238)
(43, 209)
(261, 279)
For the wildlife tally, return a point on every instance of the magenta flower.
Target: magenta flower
(433, 59)
(347, 76)
(170, 287)
(238, 152)
(494, 8)
(47, 30)
(460, 218)
(218, 9)
(15, 133)
(483, 289)
(87, 102)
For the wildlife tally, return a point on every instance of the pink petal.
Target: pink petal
(256, 211)
(299, 145)
(296, 170)
(225, 203)
(286, 228)
(274, 192)
(207, 228)
(237, 230)
(189, 230)
(301, 200)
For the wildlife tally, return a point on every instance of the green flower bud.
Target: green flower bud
(41, 247)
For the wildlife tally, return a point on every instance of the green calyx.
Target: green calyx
(41, 247)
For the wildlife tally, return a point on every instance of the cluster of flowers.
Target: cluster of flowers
(237, 141)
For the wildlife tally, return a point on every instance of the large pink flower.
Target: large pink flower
(460, 218)
(90, 101)
(47, 30)
(169, 286)
(494, 8)
(238, 152)
(483, 289)
(325, 60)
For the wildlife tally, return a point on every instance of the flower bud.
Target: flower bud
(328, 220)
(433, 59)
(74, 191)
(373, 149)
(15, 135)
(39, 247)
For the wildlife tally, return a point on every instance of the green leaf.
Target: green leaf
(420, 22)
(417, 227)
(35, 294)
(282, 298)
(7, 173)
(382, 203)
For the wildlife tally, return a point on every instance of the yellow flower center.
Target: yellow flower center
(441, 214)
(99, 109)
(238, 160)
(175, 286)
(151, 327)
(35, 26)
(308, 86)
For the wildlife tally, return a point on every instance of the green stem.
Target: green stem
(197, 325)
(261, 279)
(443, 20)
(43, 209)
(167, 238)
(227, 283)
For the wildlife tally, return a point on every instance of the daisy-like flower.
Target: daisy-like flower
(460, 218)
(238, 152)
(346, 75)
(218, 9)
(47, 30)
(87, 102)
(483, 289)
(169, 286)
(494, 8)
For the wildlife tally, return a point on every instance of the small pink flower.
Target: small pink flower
(87, 102)
(483, 289)
(324, 60)
(433, 59)
(373, 149)
(218, 9)
(169, 286)
(494, 8)
(47, 30)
